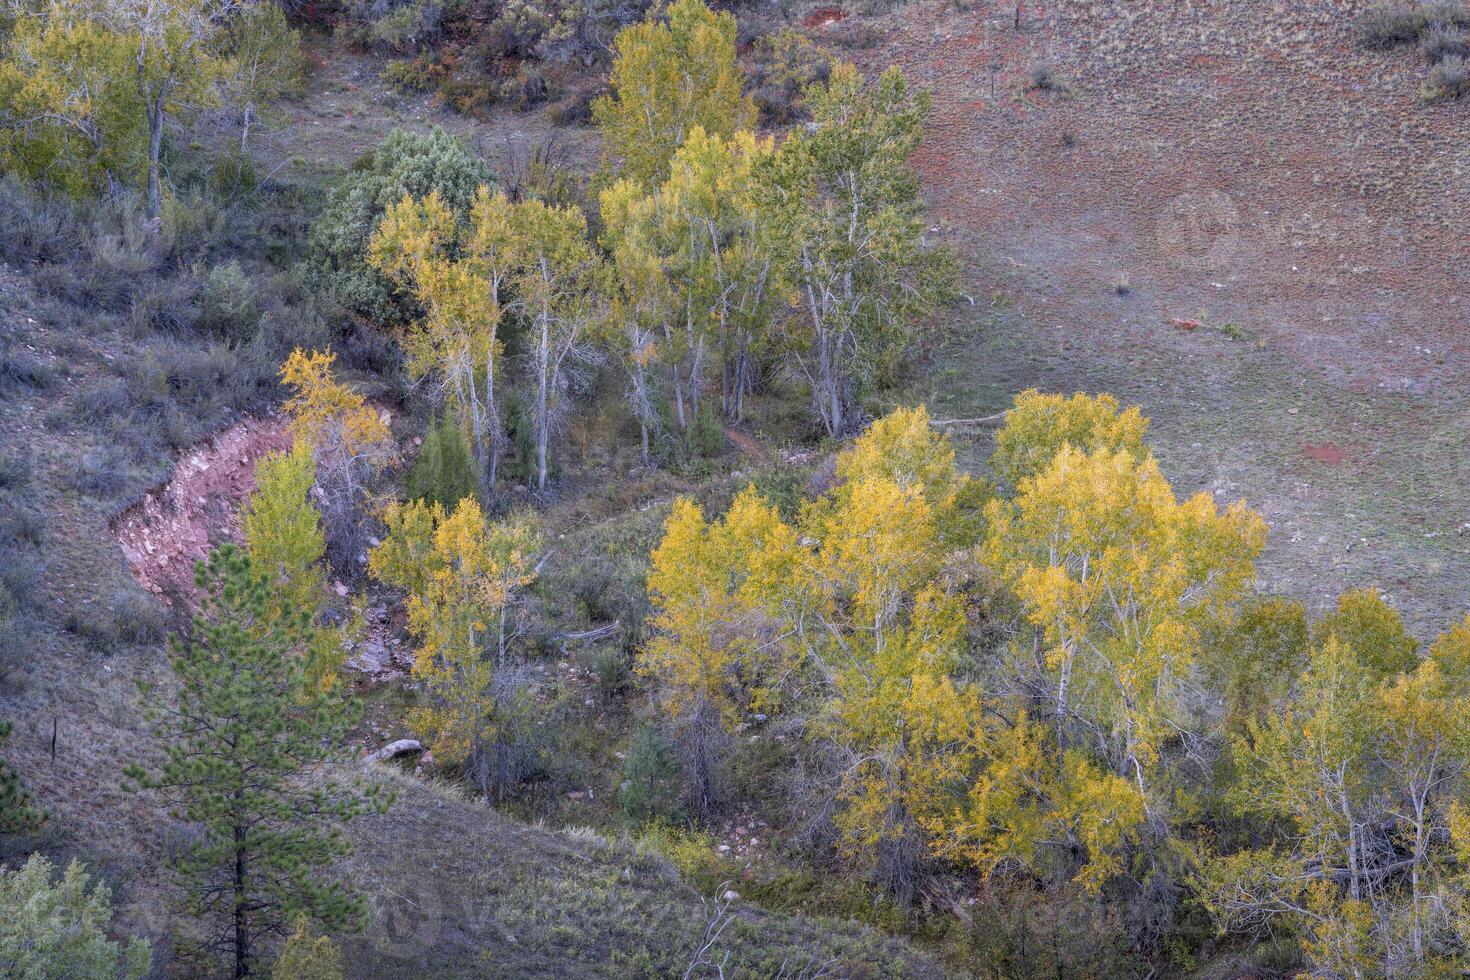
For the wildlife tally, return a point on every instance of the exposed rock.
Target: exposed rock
(176, 523)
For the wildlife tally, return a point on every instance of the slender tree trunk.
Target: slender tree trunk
(247, 117)
(155, 152)
(678, 398)
(492, 423)
(1354, 886)
(543, 396)
(241, 923)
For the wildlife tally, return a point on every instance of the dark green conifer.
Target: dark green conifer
(17, 815)
(248, 751)
(444, 472)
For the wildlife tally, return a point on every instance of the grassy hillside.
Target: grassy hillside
(99, 407)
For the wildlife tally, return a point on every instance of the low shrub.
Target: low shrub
(1387, 25)
(165, 306)
(137, 618)
(473, 97)
(100, 474)
(1444, 41)
(21, 574)
(577, 109)
(1450, 79)
(227, 306)
(527, 89)
(19, 370)
(129, 618)
(21, 527)
(38, 228)
(1042, 76)
(421, 74)
(16, 468)
(96, 405)
(614, 670)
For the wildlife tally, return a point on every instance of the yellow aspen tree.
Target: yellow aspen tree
(642, 301)
(1039, 425)
(323, 410)
(561, 283)
(880, 632)
(993, 793)
(1424, 747)
(848, 619)
(711, 643)
(842, 204)
(1311, 767)
(104, 79)
(1368, 624)
(669, 75)
(458, 272)
(905, 448)
(308, 957)
(283, 531)
(1367, 770)
(286, 543)
(697, 244)
(1118, 578)
(723, 259)
(352, 445)
(466, 580)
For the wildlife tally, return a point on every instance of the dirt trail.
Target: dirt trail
(176, 524)
(746, 443)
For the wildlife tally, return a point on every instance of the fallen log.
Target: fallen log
(394, 749)
(590, 636)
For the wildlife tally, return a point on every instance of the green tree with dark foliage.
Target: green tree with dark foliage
(17, 816)
(443, 473)
(248, 747)
(405, 163)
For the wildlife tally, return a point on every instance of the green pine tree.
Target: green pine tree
(424, 475)
(248, 748)
(444, 473)
(17, 816)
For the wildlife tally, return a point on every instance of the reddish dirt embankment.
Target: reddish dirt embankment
(176, 523)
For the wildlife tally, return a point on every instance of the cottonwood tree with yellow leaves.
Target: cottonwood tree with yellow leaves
(459, 272)
(286, 544)
(101, 77)
(466, 580)
(1058, 753)
(668, 76)
(68, 108)
(698, 277)
(1366, 769)
(710, 582)
(843, 207)
(562, 287)
(848, 619)
(465, 276)
(351, 444)
(1118, 582)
